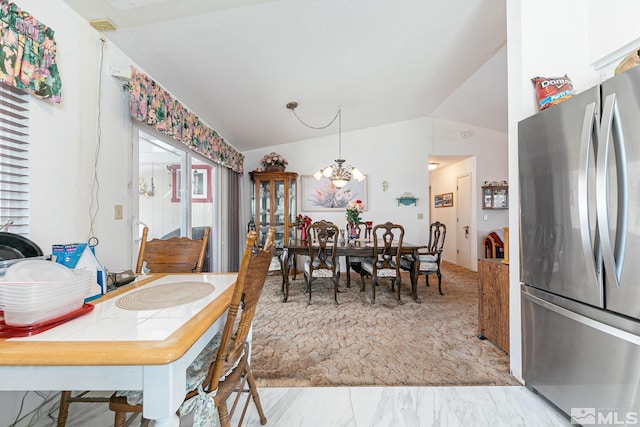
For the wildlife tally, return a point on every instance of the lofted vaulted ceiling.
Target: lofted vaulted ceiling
(237, 63)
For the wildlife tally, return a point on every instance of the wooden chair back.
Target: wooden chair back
(437, 233)
(174, 255)
(323, 258)
(322, 249)
(251, 277)
(387, 244)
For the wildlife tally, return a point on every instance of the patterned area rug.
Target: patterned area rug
(359, 344)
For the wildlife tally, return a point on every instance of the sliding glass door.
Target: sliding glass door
(176, 190)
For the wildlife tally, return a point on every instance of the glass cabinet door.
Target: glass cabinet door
(495, 197)
(292, 210)
(273, 203)
(279, 207)
(486, 198)
(500, 198)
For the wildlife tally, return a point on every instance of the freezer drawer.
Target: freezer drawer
(575, 358)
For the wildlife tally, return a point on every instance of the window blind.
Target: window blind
(14, 160)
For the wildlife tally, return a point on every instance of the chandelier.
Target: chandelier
(338, 173)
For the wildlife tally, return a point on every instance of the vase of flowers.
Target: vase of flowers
(354, 209)
(274, 162)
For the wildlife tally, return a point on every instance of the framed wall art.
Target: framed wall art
(447, 200)
(322, 195)
(437, 201)
(200, 184)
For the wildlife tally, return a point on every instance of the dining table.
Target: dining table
(353, 248)
(142, 336)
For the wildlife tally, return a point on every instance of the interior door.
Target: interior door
(464, 233)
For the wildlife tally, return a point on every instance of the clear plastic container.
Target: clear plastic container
(32, 317)
(36, 296)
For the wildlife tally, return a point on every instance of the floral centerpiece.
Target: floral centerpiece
(303, 220)
(354, 209)
(273, 162)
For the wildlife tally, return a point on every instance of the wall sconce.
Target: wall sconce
(433, 166)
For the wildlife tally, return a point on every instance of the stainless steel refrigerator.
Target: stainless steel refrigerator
(579, 170)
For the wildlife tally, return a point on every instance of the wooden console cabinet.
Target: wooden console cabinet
(493, 302)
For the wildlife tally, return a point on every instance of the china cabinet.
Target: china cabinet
(495, 197)
(273, 202)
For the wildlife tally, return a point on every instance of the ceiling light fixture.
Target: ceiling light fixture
(338, 173)
(433, 165)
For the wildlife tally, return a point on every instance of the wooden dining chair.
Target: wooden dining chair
(323, 260)
(387, 248)
(174, 255)
(222, 368)
(429, 256)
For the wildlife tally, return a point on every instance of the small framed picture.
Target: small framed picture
(447, 200)
(437, 201)
(200, 184)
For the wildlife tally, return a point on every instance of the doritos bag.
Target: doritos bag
(552, 90)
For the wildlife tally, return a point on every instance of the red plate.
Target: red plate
(27, 331)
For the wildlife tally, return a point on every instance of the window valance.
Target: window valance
(151, 104)
(28, 54)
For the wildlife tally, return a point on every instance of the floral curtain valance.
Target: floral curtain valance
(28, 54)
(151, 104)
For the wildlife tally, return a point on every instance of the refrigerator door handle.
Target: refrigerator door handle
(589, 137)
(611, 138)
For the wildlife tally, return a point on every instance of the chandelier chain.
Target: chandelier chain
(337, 116)
(317, 127)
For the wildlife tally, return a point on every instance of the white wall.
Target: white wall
(64, 139)
(610, 31)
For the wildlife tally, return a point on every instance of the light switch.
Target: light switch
(486, 217)
(420, 215)
(117, 212)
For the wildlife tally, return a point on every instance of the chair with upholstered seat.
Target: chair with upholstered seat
(387, 248)
(222, 368)
(172, 255)
(323, 260)
(429, 256)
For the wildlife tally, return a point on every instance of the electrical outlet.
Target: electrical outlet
(486, 217)
(117, 212)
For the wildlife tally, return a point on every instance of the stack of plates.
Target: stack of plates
(34, 291)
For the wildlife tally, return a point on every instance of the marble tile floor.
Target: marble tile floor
(364, 407)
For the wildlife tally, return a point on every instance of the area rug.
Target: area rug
(356, 343)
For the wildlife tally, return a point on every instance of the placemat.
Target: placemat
(164, 296)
